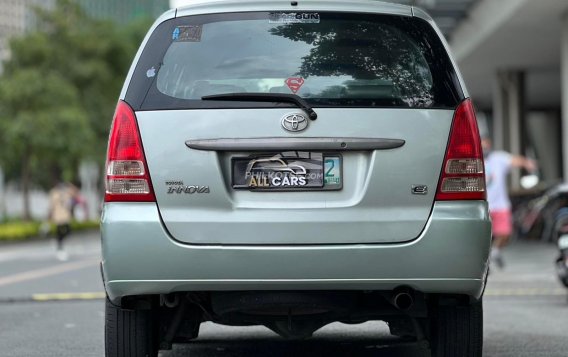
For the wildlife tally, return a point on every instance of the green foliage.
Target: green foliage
(86, 225)
(18, 230)
(59, 90)
(91, 55)
(42, 117)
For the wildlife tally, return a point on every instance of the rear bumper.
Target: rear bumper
(450, 256)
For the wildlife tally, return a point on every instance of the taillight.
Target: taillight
(127, 178)
(463, 173)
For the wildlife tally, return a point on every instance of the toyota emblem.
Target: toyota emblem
(294, 122)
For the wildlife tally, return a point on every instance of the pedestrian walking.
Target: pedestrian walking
(60, 201)
(497, 167)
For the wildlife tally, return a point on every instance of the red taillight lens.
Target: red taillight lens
(463, 174)
(127, 178)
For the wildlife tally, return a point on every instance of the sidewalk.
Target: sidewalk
(84, 243)
(529, 270)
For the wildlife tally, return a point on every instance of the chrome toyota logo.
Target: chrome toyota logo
(294, 122)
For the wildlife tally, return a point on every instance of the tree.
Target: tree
(94, 55)
(59, 91)
(42, 120)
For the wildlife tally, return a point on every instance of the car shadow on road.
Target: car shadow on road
(385, 347)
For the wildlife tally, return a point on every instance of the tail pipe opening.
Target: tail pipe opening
(403, 298)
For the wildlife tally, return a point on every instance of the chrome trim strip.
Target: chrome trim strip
(286, 143)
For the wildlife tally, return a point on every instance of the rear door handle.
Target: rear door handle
(286, 143)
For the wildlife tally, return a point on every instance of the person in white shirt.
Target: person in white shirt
(497, 166)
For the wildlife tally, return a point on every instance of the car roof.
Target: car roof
(220, 6)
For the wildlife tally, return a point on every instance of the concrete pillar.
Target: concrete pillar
(564, 79)
(508, 116)
(542, 129)
(500, 116)
(88, 174)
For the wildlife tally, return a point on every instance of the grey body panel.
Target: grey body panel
(450, 256)
(376, 204)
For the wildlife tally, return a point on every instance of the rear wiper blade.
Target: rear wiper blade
(266, 97)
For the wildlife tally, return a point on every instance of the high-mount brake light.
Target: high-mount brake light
(463, 173)
(127, 178)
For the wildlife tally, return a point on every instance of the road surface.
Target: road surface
(53, 308)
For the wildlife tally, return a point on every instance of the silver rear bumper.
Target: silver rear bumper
(450, 256)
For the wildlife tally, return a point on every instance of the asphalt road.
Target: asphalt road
(52, 308)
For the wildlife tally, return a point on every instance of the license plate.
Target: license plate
(289, 171)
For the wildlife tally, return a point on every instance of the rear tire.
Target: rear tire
(130, 333)
(457, 330)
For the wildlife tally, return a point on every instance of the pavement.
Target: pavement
(54, 308)
(30, 268)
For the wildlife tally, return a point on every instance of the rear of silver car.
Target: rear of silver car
(292, 165)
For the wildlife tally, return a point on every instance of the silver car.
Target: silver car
(292, 164)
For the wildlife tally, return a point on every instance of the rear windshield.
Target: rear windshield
(329, 59)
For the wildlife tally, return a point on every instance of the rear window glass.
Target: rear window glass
(329, 59)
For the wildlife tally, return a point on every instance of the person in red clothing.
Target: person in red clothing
(497, 167)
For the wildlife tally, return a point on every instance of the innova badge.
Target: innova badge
(294, 122)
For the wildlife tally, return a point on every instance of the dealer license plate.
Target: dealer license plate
(288, 171)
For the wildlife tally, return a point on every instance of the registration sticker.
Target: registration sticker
(294, 18)
(332, 171)
(190, 33)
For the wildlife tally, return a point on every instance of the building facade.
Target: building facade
(16, 17)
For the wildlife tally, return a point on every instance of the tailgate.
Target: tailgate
(199, 204)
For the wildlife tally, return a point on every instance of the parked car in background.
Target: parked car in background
(542, 216)
(562, 260)
(375, 211)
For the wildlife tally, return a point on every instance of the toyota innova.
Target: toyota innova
(292, 164)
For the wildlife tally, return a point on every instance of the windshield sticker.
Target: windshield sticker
(151, 72)
(294, 83)
(187, 33)
(294, 18)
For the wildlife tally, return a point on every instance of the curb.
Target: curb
(526, 292)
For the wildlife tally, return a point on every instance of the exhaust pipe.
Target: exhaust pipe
(403, 299)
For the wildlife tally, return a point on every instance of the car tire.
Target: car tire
(130, 333)
(457, 330)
